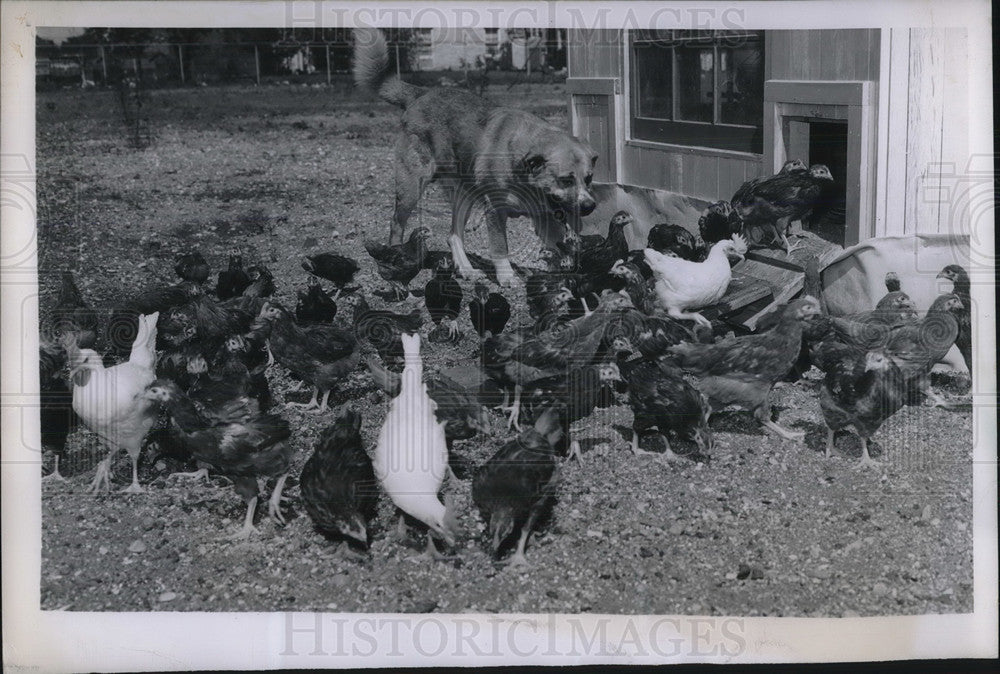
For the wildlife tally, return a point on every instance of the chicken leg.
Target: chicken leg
(135, 487)
(274, 503)
(102, 477)
(676, 313)
(866, 460)
(518, 559)
(200, 474)
(400, 292)
(55, 475)
(830, 437)
(515, 410)
(798, 436)
(574, 452)
(668, 453)
(248, 529)
(400, 534)
(763, 415)
(313, 403)
(789, 247)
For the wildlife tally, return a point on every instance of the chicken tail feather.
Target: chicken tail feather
(144, 346)
(450, 519)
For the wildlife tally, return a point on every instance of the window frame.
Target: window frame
(716, 136)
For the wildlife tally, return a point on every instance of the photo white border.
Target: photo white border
(54, 641)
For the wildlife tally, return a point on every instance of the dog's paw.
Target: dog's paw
(472, 274)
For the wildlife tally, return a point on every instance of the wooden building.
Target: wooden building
(682, 118)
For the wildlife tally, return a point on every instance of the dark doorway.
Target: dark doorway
(828, 145)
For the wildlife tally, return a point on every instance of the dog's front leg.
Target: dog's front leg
(496, 226)
(463, 199)
(462, 263)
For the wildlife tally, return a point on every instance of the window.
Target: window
(424, 48)
(699, 87)
(492, 41)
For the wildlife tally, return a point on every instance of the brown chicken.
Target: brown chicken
(778, 201)
(743, 370)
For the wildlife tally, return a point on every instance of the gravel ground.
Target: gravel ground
(765, 527)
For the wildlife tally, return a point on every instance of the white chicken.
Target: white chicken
(411, 457)
(681, 285)
(111, 401)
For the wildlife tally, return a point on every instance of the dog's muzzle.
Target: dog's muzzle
(586, 204)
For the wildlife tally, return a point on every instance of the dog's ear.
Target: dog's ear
(534, 162)
(593, 161)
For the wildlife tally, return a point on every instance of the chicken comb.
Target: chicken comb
(740, 243)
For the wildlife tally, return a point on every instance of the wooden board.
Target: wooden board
(743, 290)
(766, 278)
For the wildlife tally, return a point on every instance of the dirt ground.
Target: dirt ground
(766, 527)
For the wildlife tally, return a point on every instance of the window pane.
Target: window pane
(653, 82)
(741, 84)
(695, 83)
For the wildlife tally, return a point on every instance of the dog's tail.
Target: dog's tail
(371, 69)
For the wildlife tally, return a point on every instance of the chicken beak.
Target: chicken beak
(357, 531)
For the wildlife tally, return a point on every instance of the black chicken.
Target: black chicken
(652, 336)
(719, 221)
(337, 269)
(243, 358)
(895, 308)
(917, 347)
(337, 483)
(636, 276)
(661, 398)
(213, 321)
(860, 390)
(598, 257)
(488, 311)
(518, 360)
(769, 206)
(814, 328)
(548, 294)
(667, 238)
(55, 411)
(321, 355)
(240, 446)
(574, 395)
(399, 264)
(961, 289)
(232, 281)
(261, 282)
(443, 298)
(382, 328)
(512, 489)
(192, 267)
(72, 315)
(743, 370)
(314, 305)
(182, 363)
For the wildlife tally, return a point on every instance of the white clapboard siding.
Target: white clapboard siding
(923, 131)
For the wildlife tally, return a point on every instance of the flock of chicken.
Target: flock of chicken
(606, 322)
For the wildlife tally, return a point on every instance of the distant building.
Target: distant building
(458, 48)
